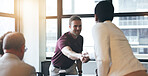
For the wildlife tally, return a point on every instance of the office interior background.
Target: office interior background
(43, 21)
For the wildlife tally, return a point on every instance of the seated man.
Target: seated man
(10, 62)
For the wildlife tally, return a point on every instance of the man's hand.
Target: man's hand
(85, 57)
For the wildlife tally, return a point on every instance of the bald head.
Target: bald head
(13, 41)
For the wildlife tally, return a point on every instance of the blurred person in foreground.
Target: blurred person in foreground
(68, 50)
(11, 63)
(113, 53)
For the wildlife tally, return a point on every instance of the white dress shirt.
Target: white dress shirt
(113, 54)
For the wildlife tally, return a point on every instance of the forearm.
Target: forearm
(67, 51)
(79, 66)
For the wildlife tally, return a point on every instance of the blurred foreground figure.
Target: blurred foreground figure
(11, 63)
(113, 53)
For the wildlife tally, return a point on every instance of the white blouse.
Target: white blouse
(113, 54)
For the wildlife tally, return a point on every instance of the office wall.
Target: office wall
(32, 22)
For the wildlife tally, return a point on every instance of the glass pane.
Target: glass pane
(135, 29)
(130, 5)
(79, 6)
(6, 24)
(87, 24)
(51, 36)
(51, 7)
(65, 25)
(7, 6)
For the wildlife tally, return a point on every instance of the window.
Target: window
(79, 6)
(7, 6)
(130, 16)
(51, 7)
(132, 19)
(51, 27)
(6, 24)
(51, 36)
(130, 5)
(7, 16)
(135, 30)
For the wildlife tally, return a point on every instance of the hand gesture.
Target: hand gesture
(85, 57)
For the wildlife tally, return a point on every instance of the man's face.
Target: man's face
(75, 27)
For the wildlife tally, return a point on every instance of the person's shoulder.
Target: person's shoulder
(81, 36)
(65, 35)
(26, 68)
(29, 67)
(26, 65)
(99, 26)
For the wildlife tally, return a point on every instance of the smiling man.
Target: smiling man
(68, 50)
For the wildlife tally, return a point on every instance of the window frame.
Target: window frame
(15, 15)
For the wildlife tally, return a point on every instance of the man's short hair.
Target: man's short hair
(72, 18)
(104, 10)
(13, 40)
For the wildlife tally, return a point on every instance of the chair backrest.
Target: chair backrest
(45, 67)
